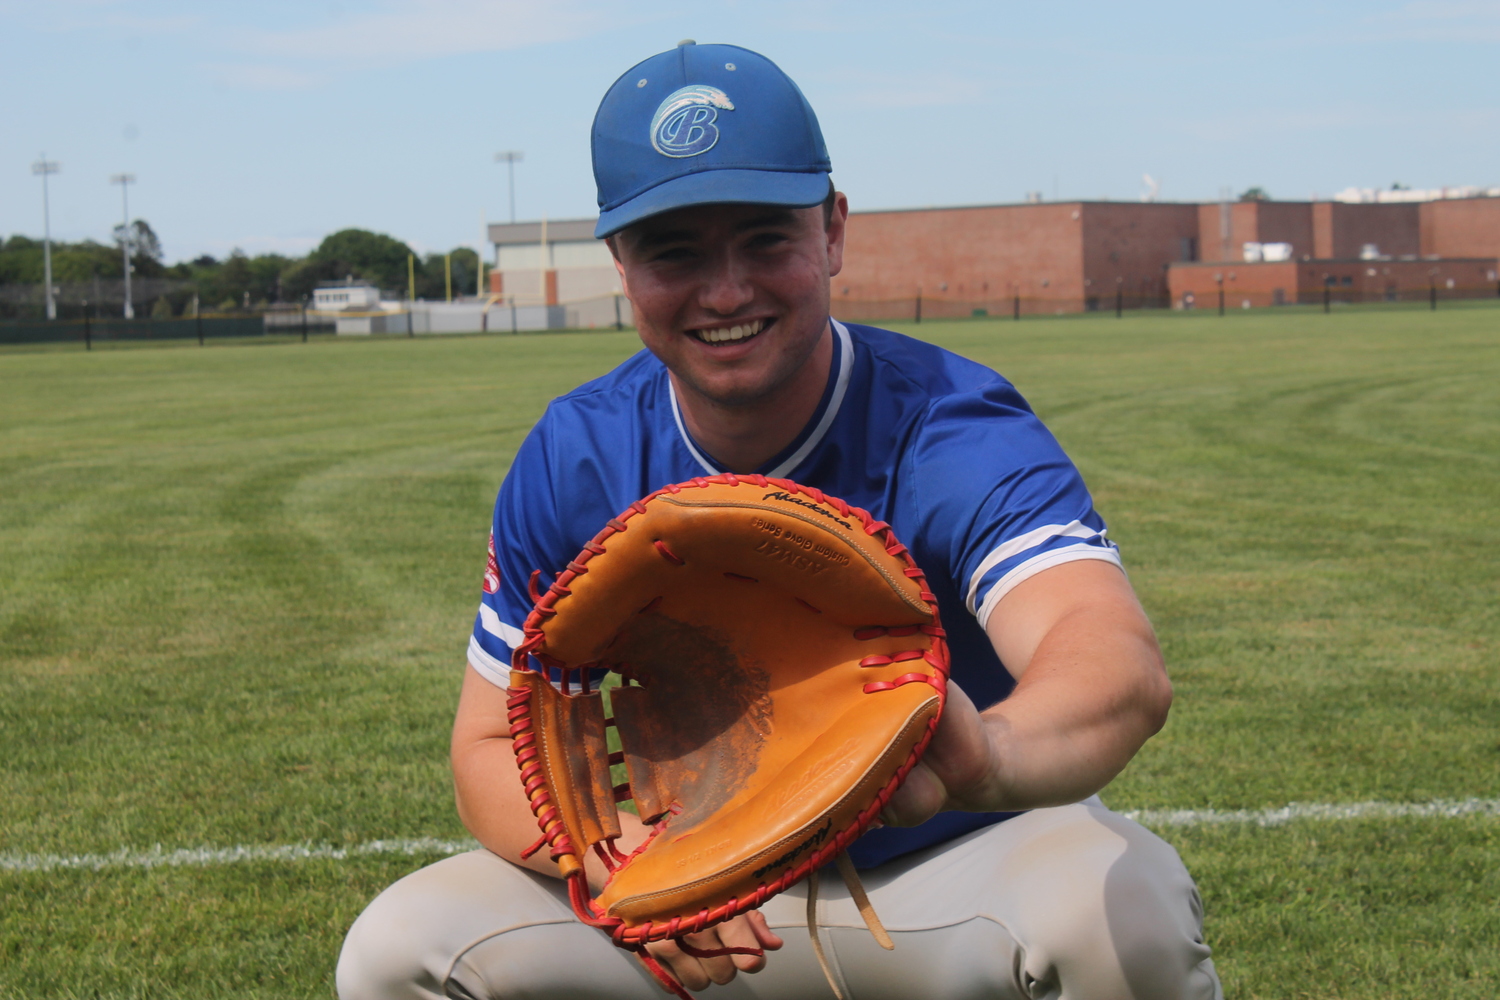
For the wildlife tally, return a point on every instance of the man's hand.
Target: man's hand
(960, 769)
(748, 930)
(1090, 689)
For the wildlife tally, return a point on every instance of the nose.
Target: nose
(726, 287)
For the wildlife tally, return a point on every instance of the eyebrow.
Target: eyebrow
(774, 217)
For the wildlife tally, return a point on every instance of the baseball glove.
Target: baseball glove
(781, 670)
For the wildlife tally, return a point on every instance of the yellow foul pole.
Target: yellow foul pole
(411, 278)
(448, 275)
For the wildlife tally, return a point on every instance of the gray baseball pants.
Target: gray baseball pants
(1071, 903)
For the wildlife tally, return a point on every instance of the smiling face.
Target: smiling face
(734, 298)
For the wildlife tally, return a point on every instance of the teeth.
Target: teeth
(731, 333)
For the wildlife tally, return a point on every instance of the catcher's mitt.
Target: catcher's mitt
(782, 670)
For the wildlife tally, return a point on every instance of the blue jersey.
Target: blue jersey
(943, 449)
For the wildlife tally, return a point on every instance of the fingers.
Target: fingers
(693, 973)
(745, 931)
(963, 755)
(749, 931)
(921, 796)
(956, 771)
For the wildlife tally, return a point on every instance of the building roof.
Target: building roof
(558, 231)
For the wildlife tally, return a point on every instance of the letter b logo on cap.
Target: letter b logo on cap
(684, 124)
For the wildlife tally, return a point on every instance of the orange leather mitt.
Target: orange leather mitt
(781, 670)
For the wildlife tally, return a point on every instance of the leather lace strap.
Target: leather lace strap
(866, 912)
(812, 931)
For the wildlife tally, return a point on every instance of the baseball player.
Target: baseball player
(998, 872)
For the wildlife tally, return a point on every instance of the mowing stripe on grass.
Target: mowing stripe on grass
(157, 857)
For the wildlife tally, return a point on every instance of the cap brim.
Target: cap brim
(717, 187)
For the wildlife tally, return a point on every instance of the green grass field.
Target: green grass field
(236, 585)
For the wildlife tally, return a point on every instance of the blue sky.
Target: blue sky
(267, 125)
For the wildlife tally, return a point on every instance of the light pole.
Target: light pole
(44, 167)
(125, 180)
(509, 158)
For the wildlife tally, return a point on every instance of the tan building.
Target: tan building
(557, 263)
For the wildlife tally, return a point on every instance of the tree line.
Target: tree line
(89, 270)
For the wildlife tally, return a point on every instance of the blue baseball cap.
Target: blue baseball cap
(704, 124)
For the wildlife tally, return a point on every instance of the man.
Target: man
(996, 872)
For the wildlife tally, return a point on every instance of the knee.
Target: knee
(1154, 920)
(405, 944)
(383, 957)
(1121, 918)
(372, 966)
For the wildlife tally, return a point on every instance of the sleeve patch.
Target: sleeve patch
(492, 571)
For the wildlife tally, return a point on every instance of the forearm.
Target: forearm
(1094, 692)
(492, 802)
(1091, 689)
(487, 786)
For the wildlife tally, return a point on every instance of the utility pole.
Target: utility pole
(44, 167)
(509, 158)
(126, 237)
(1225, 224)
(542, 263)
(484, 237)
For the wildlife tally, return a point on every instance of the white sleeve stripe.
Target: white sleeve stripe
(1034, 565)
(487, 666)
(1015, 546)
(508, 634)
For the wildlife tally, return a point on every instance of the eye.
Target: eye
(672, 255)
(767, 240)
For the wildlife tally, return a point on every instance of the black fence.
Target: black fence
(87, 331)
(919, 307)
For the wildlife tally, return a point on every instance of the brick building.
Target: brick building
(1079, 256)
(1061, 257)
(1467, 227)
(1056, 257)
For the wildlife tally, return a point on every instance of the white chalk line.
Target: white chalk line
(1441, 809)
(157, 857)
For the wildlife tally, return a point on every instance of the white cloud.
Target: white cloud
(427, 28)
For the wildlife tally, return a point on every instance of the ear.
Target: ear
(836, 230)
(614, 253)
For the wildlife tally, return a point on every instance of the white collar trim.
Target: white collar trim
(841, 386)
(682, 430)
